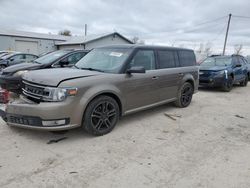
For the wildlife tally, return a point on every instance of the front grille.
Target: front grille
(205, 73)
(24, 120)
(34, 92)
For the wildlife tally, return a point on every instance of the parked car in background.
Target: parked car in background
(3, 53)
(15, 58)
(223, 71)
(107, 83)
(10, 78)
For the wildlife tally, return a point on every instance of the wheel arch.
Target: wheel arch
(94, 93)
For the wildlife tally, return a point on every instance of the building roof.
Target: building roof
(8, 32)
(90, 38)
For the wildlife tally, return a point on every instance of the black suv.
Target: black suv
(224, 71)
(10, 78)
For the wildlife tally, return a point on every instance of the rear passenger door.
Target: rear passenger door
(169, 74)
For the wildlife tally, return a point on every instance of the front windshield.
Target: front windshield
(217, 61)
(104, 59)
(51, 57)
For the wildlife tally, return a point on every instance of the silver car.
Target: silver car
(106, 84)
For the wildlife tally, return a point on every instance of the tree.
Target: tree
(65, 32)
(137, 40)
(238, 49)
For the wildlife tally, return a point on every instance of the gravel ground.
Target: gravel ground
(208, 146)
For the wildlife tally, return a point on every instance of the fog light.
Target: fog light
(54, 122)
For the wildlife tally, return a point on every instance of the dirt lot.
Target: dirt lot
(208, 146)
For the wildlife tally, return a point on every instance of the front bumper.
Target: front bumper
(212, 81)
(27, 114)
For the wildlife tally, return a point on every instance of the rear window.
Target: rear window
(166, 59)
(186, 58)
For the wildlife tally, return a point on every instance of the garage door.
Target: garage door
(27, 46)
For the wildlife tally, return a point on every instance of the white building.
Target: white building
(38, 43)
(92, 41)
(29, 42)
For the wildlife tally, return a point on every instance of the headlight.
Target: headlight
(20, 73)
(58, 94)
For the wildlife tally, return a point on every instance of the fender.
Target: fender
(93, 92)
(189, 77)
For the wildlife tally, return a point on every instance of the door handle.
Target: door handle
(155, 77)
(181, 74)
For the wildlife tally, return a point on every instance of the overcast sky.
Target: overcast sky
(155, 21)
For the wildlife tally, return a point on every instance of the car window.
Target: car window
(187, 58)
(30, 57)
(144, 58)
(241, 61)
(18, 57)
(166, 59)
(74, 58)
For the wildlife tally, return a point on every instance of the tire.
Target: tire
(185, 95)
(228, 85)
(245, 82)
(101, 115)
(2, 67)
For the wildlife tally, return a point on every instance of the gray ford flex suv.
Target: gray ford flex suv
(107, 83)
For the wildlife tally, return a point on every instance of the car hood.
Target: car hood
(215, 68)
(53, 77)
(21, 66)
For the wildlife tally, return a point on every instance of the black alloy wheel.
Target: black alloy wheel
(185, 95)
(101, 115)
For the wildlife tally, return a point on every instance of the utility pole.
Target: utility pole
(85, 28)
(228, 25)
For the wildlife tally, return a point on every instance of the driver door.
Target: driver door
(141, 89)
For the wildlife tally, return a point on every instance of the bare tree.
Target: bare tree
(207, 50)
(137, 40)
(65, 32)
(238, 49)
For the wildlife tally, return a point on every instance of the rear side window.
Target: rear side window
(166, 59)
(186, 58)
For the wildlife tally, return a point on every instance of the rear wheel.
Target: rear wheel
(101, 116)
(185, 95)
(228, 85)
(245, 82)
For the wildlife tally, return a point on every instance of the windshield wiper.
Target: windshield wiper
(91, 69)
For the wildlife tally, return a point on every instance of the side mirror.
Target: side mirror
(238, 65)
(11, 59)
(136, 70)
(64, 62)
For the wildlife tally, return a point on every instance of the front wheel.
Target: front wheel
(101, 116)
(185, 95)
(228, 85)
(245, 82)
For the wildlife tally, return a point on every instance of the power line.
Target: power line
(245, 17)
(188, 27)
(219, 33)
